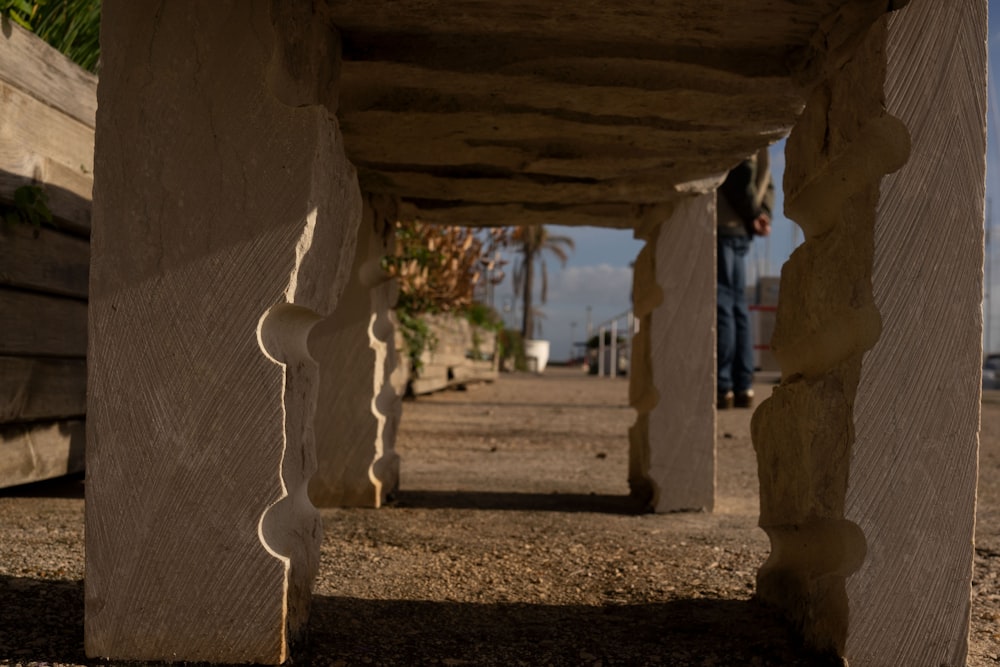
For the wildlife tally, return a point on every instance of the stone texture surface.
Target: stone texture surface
(223, 231)
(459, 354)
(867, 457)
(358, 410)
(912, 482)
(511, 113)
(672, 382)
(826, 320)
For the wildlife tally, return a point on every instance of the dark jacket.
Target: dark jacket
(747, 192)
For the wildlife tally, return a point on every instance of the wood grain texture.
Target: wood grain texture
(45, 325)
(44, 260)
(35, 389)
(912, 487)
(41, 451)
(28, 63)
(40, 144)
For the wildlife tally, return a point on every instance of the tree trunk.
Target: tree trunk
(528, 321)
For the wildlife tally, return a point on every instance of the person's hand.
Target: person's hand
(762, 225)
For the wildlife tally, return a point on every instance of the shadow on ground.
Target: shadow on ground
(41, 621)
(448, 404)
(526, 502)
(684, 632)
(68, 486)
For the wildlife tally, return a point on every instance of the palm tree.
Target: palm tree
(533, 242)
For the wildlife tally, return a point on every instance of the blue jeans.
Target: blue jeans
(734, 341)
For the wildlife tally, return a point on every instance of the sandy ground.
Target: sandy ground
(512, 542)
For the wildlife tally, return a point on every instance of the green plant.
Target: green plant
(30, 207)
(484, 317)
(510, 347)
(417, 337)
(73, 27)
(438, 269)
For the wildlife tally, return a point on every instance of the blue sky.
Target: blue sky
(598, 273)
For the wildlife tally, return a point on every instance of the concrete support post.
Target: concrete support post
(225, 215)
(672, 376)
(867, 451)
(358, 411)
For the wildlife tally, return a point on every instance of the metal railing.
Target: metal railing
(614, 345)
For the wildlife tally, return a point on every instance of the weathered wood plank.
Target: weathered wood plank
(37, 452)
(39, 325)
(36, 389)
(39, 143)
(30, 64)
(44, 260)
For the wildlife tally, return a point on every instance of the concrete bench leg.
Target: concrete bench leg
(225, 216)
(867, 451)
(672, 381)
(359, 411)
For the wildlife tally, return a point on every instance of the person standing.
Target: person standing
(744, 202)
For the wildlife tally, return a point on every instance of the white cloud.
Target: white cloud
(595, 285)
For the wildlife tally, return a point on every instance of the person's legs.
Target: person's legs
(742, 365)
(726, 262)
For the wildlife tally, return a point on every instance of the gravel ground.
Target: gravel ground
(511, 542)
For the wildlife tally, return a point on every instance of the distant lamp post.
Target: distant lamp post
(572, 341)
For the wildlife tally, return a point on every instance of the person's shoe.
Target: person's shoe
(725, 400)
(744, 399)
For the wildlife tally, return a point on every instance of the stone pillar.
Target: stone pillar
(672, 379)
(359, 410)
(225, 216)
(867, 451)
